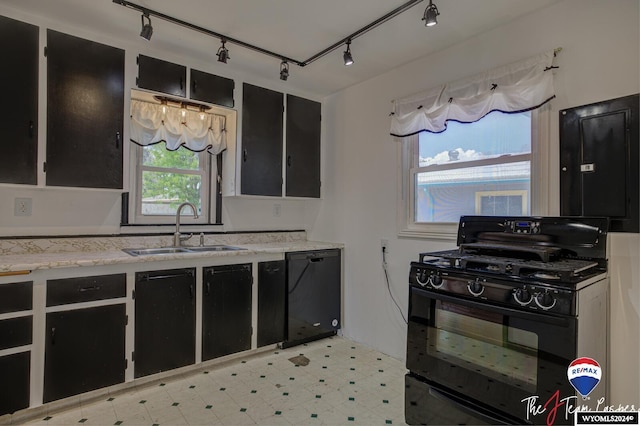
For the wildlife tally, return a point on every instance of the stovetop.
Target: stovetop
(563, 270)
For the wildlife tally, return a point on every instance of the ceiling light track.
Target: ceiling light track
(150, 12)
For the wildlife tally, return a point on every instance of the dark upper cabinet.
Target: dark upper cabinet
(211, 88)
(599, 159)
(85, 107)
(19, 111)
(165, 325)
(262, 131)
(226, 310)
(272, 293)
(303, 147)
(162, 76)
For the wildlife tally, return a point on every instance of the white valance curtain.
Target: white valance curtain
(197, 131)
(517, 87)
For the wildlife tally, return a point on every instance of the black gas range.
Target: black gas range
(501, 317)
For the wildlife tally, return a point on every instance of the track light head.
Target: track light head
(431, 13)
(348, 59)
(284, 71)
(147, 29)
(223, 53)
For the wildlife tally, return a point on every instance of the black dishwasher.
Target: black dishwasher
(313, 295)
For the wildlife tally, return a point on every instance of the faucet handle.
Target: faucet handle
(185, 237)
(201, 239)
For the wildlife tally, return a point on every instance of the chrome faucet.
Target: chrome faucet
(177, 238)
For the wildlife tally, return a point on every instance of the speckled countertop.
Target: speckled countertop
(18, 255)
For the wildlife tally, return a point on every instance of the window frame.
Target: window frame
(208, 204)
(408, 157)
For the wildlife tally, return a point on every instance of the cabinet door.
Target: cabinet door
(14, 392)
(165, 326)
(272, 294)
(212, 88)
(162, 76)
(15, 297)
(85, 108)
(303, 147)
(261, 169)
(226, 310)
(84, 350)
(599, 156)
(19, 111)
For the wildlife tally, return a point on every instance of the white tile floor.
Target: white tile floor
(344, 383)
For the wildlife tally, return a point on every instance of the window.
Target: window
(168, 178)
(480, 168)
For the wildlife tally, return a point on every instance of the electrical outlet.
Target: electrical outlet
(22, 207)
(384, 244)
(277, 209)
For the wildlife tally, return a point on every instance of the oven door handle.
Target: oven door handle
(532, 316)
(465, 407)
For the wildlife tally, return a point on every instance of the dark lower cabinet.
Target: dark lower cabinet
(226, 310)
(313, 295)
(19, 113)
(272, 292)
(85, 112)
(84, 350)
(14, 392)
(165, 325)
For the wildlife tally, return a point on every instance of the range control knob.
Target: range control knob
(475, 288)
(522, 296)
(545, 300)
(421, 277)
(436, 281)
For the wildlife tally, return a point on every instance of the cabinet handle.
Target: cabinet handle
(191, 291)
(194, 86)
(117, 140)
(316, 259)
(289, 160)
(31, 127)
(208, 288)
(53, 336)
(91, 288)
(181, 83)
(244, 155)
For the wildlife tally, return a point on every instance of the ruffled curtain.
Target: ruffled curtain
(196, 131)
(517, 87)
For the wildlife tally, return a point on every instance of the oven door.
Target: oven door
(488, 357)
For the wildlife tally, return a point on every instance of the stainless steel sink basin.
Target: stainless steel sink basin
(219, 247)
(173, 250)
(160, 250)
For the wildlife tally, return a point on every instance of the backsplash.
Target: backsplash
(18, 246)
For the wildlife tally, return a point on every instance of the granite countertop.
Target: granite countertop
(97, 253)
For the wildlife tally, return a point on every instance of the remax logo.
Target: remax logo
(584, 375)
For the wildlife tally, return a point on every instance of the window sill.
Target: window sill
(439, 231)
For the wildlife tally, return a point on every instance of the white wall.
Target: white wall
(599, 61)
(70, 211)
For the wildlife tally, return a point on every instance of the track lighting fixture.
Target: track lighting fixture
(431, 15)
(147, 29)
(348, 59)
(223, 53)
(284, 70)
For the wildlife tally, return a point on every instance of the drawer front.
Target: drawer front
(15, 332)
(85, 289)
(16, 297)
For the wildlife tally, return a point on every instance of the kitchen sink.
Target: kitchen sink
(173, 250)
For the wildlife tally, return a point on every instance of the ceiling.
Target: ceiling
(295, 28)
